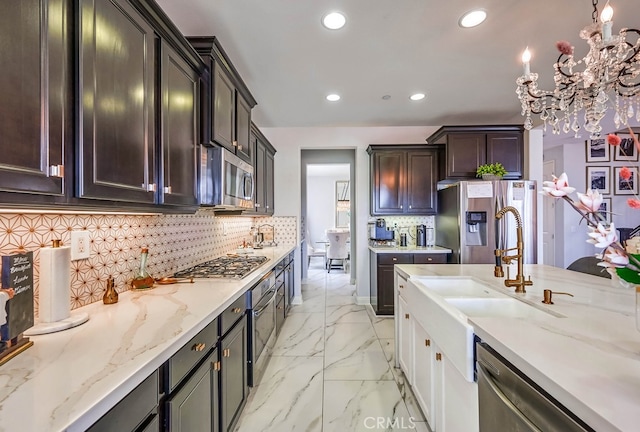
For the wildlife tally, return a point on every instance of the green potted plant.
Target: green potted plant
(494, 171)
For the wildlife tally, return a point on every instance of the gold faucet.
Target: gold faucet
(519, 282)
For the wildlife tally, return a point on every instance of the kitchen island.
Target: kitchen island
(584, 351)
(66, 381)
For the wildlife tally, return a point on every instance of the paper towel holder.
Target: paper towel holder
(48, 260)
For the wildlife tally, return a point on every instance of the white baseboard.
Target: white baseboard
(362, 300)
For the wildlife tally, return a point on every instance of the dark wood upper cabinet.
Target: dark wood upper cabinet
(467, 147)
(263, 166)
(116, 130)
(223, 116)
(227, 103)
(403, 179)
(179, 134)
(36, 111)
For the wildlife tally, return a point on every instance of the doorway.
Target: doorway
(327, 200)
(549, 219)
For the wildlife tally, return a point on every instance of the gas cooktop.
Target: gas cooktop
(229, 266)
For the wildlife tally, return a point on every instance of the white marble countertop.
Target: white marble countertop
(589, 360)
(68, 380)
(409, 249)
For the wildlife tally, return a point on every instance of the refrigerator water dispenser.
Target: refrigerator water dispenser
(476, 232)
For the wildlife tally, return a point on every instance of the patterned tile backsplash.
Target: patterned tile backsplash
(175, 242)
(407, 224)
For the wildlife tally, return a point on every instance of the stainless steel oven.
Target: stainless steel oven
(262, 325)
(510, 401)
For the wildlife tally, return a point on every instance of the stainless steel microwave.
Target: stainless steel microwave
(226, 181)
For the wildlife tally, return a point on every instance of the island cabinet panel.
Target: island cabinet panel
(468, 147)
(117, 102)
(403, 179)
(179, 139)
(36, 109)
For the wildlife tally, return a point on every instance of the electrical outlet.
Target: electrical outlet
(80, 245)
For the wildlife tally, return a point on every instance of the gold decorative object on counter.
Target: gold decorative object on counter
(110, 295)
(143, 279)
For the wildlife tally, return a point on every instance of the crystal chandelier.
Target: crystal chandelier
(609, 78)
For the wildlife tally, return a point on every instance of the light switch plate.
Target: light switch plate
(80, 245)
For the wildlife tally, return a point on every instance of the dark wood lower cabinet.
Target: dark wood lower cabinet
(382, 274)
(234, 387)
(192, 408)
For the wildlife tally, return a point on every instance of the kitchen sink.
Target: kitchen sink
(459, 287)
(494, 307)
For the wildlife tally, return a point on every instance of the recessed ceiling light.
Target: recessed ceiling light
(417, 96)
(333, 97)
(334, 20)
(473, 18)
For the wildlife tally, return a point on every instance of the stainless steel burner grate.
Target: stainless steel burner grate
(229, 266)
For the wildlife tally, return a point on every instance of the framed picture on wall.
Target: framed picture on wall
(626, 150)
(626, 186)
(599, 177)
(597, 150)
(605, 210)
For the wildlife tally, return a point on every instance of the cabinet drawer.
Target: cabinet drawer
(391, 259)
(430, 258)
(231, 314)
(178, 366)
(132, 410)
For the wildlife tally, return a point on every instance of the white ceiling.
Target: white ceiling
(389, 47)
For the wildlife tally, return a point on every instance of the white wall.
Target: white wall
(321, 204)
(290, 141)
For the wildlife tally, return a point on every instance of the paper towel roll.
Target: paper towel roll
(55, 288)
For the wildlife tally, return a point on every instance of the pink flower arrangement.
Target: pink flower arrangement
(601, 234)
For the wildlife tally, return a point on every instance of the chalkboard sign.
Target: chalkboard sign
(17, 273)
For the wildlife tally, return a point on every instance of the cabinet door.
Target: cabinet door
(465, 152)
(452, 392)
(506, 148)
(422, 173)
(269, 195)
(35, 95)
(385, 290)
(223, 109)
(423, 372)
(179, 139)
(405, 339)
(243, 128)
(389, 183)
(194, 406)
(233, 371)
(259, 177)
(117, 117)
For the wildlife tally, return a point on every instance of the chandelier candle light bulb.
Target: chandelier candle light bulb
(607, 24)
(526, 58)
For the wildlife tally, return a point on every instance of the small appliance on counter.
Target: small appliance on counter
(421, 235)
(378, 230)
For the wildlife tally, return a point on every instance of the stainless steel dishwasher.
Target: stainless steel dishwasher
(510, 401)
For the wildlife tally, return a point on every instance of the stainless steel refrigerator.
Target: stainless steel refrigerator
(467, 225)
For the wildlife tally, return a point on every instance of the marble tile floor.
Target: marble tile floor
(332, 369)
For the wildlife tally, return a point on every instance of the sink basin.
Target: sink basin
(459, 287)
(494, 307)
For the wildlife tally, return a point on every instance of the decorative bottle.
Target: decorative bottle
(110, 295)
(143, 279)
